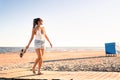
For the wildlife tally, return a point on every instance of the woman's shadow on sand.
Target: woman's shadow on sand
(69, 59)
(29, 75)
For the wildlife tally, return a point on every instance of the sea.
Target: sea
(48, 49)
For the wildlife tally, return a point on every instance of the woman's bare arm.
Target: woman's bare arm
(47, 37)
(32, 36)
(48, 40)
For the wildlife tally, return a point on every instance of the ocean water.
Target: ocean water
(48, 49)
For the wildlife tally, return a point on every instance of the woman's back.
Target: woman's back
(39, 34)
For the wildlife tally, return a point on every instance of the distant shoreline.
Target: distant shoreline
(48, 49)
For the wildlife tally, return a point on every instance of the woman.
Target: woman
(39, 42)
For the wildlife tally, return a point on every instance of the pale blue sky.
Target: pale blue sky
(72, 23)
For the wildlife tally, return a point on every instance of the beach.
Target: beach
(13, 59)
(62, 61)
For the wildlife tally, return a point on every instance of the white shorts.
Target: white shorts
(39, 44)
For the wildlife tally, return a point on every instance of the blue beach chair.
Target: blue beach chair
(110, 49)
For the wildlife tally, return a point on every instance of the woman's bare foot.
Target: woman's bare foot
(39, 73)
(33, 69)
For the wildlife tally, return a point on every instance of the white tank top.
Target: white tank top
(39, 35)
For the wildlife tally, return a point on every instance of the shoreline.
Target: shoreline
(5, 50)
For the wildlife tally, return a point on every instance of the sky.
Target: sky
(68, 23)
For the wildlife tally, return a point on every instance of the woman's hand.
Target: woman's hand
(26, 48)
(51, 45)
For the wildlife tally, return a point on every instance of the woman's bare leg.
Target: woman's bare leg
(37, 59)
(41, 61)
(42, 51)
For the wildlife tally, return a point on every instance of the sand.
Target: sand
(13, 58)
(62, 61)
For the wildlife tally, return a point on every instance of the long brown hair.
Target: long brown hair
(35, 21)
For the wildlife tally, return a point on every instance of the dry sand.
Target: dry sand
(13, 58)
